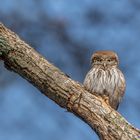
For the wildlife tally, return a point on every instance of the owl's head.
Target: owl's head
(105, 59)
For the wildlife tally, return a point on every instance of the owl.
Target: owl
(105, 78)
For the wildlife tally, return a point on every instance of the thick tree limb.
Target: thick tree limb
(24, 60)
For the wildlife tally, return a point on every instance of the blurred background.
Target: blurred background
(67, 33)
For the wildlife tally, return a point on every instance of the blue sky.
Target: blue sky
(67, 33)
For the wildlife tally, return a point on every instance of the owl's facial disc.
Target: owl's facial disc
(104, 59)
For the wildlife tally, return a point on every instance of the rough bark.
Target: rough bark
(24, 60)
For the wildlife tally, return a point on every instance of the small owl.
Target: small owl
(105, 78)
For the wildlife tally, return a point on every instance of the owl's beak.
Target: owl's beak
(104, 64)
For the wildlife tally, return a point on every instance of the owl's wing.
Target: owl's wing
(116, 97)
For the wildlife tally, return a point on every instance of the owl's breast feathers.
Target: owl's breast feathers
(110, 84)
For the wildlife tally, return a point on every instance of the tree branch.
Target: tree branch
(24, 60)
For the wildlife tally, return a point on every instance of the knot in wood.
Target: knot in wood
(74, 102)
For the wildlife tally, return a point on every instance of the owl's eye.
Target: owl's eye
(109, 60)
(100, 60)
(97, 60)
